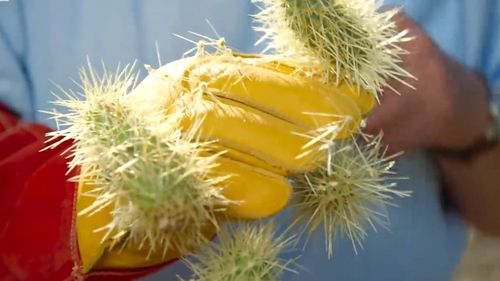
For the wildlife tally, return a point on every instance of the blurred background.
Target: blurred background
(481, 262)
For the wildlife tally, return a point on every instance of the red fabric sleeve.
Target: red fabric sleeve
(37, 210)
(20, 136)
(19, 158)
(36, 239)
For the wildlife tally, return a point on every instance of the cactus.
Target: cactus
(340, 42)
(343, 40)
(153, 173)
(246, 252)
(350, 192)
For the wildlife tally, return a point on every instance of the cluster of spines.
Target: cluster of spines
(153, 172)
(247, 251)
(341, 40)
(350, 192)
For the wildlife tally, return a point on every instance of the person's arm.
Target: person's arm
(449, 111)
(471, 168)
(474, 186)
(472, 176)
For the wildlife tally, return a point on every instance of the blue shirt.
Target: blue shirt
(46, 42)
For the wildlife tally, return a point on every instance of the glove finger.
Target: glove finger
(363, 99)
(306, 102)
(246, 158)
(261, 135)
(258, 193)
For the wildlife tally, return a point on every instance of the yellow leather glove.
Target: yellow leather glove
(258, 112)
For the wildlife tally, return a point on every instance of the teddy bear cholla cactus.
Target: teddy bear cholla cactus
(353, 189)
(341, 42)
(153, 173)
(247, 252)
(344, 40)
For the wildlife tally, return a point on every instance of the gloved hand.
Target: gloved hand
(256, 111)
(259, 111)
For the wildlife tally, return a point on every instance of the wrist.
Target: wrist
(474, 128)
(469, 117)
